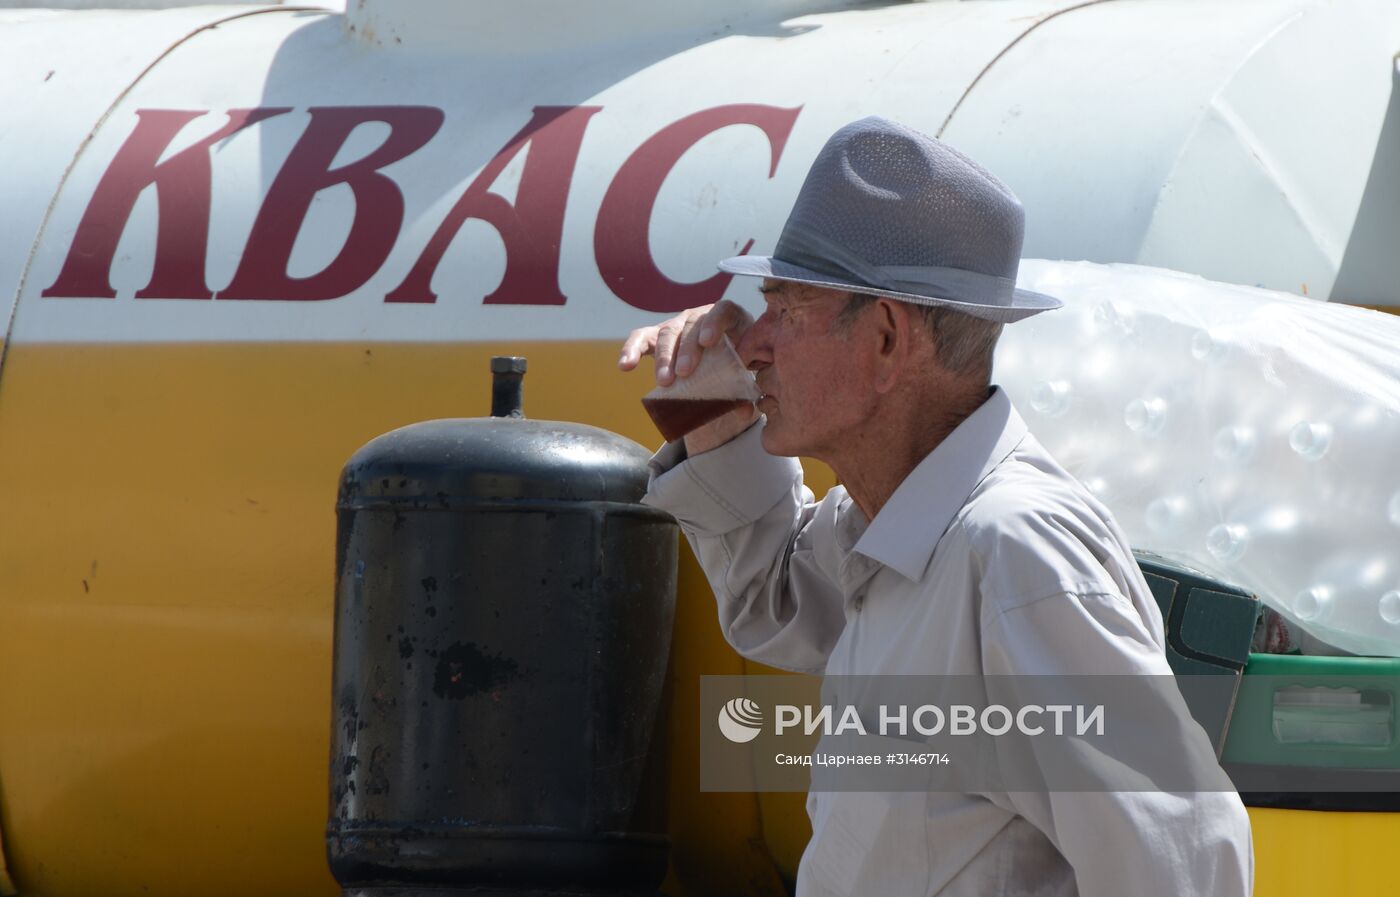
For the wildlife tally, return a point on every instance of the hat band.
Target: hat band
(957, 284)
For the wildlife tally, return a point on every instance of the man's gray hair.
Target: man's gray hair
(965, 344)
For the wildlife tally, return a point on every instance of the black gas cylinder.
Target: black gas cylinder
(503, 618)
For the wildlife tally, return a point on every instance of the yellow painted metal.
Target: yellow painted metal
(717, 842)
(7, 887)
(165, 621)
(1302, 853)
(786, 830)
(772, 829)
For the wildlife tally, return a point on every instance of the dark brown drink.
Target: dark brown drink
(677, 417)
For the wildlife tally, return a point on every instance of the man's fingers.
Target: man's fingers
(667, 335)
(638, 343)
(724, 317)
(673, 342)
(687, 349)
(679, 342)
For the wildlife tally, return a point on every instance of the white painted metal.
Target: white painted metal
(59, 75)
(1234, 142)
(334, 5)
(505, 29)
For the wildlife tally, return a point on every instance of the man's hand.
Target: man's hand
(677, 345)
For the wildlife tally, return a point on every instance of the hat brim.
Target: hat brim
(1024, 303)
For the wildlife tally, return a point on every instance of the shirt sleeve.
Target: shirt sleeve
(1150, 843)
(763, 544)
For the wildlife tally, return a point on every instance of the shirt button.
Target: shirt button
(860, 599)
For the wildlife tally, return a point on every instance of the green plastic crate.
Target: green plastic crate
(1329, 712)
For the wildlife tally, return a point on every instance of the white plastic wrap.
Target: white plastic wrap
(1248, 433)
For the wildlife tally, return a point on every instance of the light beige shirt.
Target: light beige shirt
(989, 559)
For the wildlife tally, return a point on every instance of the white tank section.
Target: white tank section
(60, 77)
(1133, 132)
(1236, 144)
(143, 4)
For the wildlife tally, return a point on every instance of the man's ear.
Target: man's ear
(893, 323)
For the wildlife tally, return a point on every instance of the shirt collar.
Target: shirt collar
(909, 525)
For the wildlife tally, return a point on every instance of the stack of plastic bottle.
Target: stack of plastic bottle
(1251, 434)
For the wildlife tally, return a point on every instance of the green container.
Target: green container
(1292, 731)
(1324, 712)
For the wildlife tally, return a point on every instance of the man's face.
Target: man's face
(815, 382)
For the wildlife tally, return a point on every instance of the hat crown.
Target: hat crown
(889, 211)
(883, 195)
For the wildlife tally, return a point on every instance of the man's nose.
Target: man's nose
(755, 347)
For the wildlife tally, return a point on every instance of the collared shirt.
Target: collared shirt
(988, 559)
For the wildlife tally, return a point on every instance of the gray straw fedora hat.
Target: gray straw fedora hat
(888, 211)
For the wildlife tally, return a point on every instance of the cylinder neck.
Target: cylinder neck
(507, 386)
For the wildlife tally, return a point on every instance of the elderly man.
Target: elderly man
(955, 545)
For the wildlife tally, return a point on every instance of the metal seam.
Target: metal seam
(1210, 104)
(86, 141)
(1004, 50)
